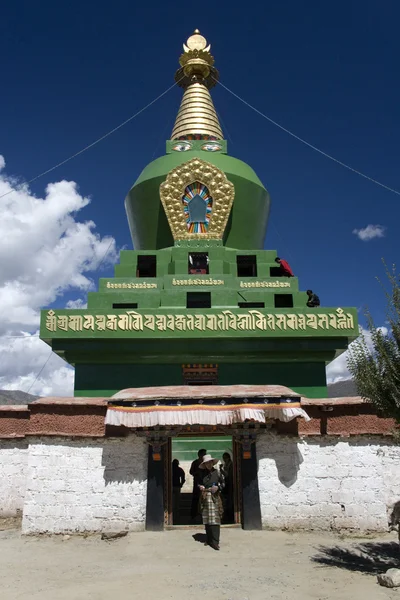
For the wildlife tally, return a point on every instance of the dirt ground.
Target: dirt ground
(174, 564)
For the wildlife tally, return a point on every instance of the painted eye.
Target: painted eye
(181, 147)
(211, 147)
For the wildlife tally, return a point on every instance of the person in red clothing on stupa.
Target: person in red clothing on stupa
(285, 267)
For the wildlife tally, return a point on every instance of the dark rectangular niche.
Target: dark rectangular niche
(275, 272)
(125, 305)
(198, 300)
(283, 300)
(198, 263)
(251, 304)
(246, 265)
(146, 265)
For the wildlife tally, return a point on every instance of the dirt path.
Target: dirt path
(250, 566)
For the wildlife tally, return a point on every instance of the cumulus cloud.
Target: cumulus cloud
(78, 303)
(337, 370)
(45, 251)
(23, 357)
(370, 232)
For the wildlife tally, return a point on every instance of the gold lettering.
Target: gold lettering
(112, 322)
(312, 321)
(88, 322)
(281, 321)
(171, 322)
(62, 322)
(190, 322)
(259, 320)
(200, 322)
(271, 321)
(75, 322)
(323, 320)
(292, 321)
(231, 319)
(244, 322)
(51, 321)
(101, 322)
(341, 319)
(161, 322)
(212, 322)
(302, 322)
(108, 284)
(180, 322)
(136, 320)
(149, 322)
(350, 321)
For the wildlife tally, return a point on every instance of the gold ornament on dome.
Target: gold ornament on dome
(220, 188)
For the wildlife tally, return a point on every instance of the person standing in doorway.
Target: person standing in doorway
(226, 469)
(196, 474)
(178, 479)
(211, 507)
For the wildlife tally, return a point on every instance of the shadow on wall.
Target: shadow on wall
(287, 458)
(126, 462)
(371, 558)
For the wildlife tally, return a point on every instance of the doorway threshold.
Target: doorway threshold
(201, 526)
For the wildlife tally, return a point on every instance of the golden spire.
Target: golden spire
(197, 75)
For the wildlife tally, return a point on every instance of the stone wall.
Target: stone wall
(85, 485)
(327, 483)
(13, 467)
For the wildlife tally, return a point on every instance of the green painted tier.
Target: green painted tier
(141, 327)
(248, 220)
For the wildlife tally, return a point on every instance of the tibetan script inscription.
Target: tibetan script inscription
(264, 284)
(130, 286)
(252, 320)
(206, 281)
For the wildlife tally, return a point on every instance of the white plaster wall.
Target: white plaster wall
(13, 463)
(86, 485)
(327, 483)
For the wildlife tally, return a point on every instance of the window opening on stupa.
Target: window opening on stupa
(283, 300)
(198, 300)
(198, 263)
(246, 265)
(146, 266)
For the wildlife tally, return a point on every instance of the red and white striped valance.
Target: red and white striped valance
(151, 416)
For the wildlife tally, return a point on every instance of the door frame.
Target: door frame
(237, 474)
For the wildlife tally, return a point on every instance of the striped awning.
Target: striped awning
(204, 414)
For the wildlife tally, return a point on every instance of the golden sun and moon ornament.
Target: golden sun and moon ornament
(197, 198)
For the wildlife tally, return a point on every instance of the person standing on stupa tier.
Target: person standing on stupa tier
(285, 267)
(196, 474)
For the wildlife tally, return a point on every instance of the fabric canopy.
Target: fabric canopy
(151, 416)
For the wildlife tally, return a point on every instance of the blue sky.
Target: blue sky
(71, 71)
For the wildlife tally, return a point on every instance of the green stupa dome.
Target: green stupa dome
(197, 134)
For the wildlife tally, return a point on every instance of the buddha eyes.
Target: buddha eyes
(211, 147)
(181, 147)
(208, 147)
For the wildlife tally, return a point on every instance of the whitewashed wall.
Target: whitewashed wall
(327, 483)
(85, 485)
(13, 466)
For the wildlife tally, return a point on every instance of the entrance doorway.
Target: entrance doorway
(180, 504)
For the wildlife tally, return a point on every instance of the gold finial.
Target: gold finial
(197, 75)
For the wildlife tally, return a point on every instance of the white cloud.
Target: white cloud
(337, 370)
(44, 252)
(78, 303)
(370, 232)
(23, 357)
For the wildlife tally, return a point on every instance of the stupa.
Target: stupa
(198, 300)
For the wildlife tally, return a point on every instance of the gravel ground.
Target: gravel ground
(250, 566)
